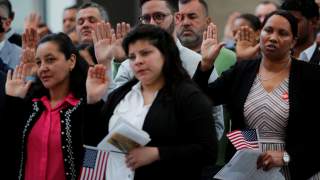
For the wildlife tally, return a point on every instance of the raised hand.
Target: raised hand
(246, 46)
(16, 85)
(97, 83)
(29, 43)
(32, 21)
(142, 156)
(121, 31)
(102, 39)
(210, 47)
(30, 38)
(270, 159)
(28, 60)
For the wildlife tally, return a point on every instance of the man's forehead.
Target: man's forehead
(89, 12)
(70, 11)
(155, 6)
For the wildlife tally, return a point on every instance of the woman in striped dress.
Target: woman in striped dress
(274, 94)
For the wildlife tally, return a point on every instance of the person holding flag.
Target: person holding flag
(275, 94)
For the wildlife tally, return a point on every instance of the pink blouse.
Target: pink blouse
(44, 150)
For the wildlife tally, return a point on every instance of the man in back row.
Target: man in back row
(307, 14)
(191, 21)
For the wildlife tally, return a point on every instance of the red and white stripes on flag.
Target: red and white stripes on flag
(94, 164)
(244, 139)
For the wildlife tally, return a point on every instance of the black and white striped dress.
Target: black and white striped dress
(268, 112)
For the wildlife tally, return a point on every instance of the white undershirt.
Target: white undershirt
(131, 108)
(306, 55)
(2, 44)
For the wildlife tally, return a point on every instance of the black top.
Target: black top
(16, 39)
(181, 126)
(77, 128)
(232, 89)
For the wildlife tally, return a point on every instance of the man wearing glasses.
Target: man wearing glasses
(9, 53)
(161, 13)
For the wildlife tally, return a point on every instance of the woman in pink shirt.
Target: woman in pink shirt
(51, 116)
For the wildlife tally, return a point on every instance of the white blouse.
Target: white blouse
(131, 108)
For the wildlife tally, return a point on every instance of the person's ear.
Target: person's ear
(208, 20)
(72, 61)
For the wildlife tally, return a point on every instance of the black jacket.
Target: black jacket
(232, 89)
(180, 124)
(77, 125)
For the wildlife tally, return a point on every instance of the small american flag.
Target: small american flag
(244, 139)
(94, 164)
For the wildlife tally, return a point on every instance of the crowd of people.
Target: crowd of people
(168, 75)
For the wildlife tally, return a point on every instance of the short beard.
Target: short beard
(190, 41)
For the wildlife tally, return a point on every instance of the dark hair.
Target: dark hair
(171, 4)
(289, 17)
(308, 8)
(202, 2)
(172, 70)
(7, 4)
(78, 74)
(266, 2)
(252, 19)
(71, 7)
(41, 25)
(102, 11)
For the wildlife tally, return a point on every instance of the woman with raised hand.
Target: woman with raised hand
(51, 118)
(163, 101)
(275, 94)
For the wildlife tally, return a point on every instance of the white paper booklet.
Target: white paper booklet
(124, 137)
(243, 166)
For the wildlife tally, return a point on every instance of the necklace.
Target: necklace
(274, 75)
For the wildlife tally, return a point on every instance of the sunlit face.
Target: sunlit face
(146, 61)
(276, 38)
(263, 10)
(87, 19)
(54, 70)
(69, 19)
(191, 22)
(152, 7)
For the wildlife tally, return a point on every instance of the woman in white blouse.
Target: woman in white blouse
(163, 101)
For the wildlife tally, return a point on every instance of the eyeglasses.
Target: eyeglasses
(158, 17)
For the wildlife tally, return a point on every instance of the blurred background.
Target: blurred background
(118, 10)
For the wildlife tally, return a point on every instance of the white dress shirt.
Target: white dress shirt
(306, 55)
(131, 108)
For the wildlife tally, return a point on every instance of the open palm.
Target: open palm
(102, 38)
(16, 85)
(121, 31)
(246, 46)
(210, 48)
(97, 83)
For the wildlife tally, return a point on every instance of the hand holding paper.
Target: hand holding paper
(124, 137)
(243, 166)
